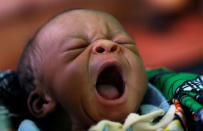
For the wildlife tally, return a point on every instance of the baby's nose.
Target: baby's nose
(102, 47)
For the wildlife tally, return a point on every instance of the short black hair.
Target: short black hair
(27, 67)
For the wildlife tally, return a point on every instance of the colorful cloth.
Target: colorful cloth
(186, 88)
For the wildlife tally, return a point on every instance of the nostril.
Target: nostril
(100, 50)
(113, 48)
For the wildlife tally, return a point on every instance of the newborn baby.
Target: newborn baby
(79, 68)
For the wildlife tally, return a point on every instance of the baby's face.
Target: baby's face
(91, 67)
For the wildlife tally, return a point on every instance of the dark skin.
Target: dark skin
(75, 48)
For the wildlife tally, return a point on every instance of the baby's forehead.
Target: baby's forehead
(83, 15)
(86, 24)
(83, 19)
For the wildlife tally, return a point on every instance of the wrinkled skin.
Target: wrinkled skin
(70, 47)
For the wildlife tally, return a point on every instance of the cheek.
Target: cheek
(138, 75)
(69, 92)
(137, 78)
(66, 87)
(137, 69)
(71, 82)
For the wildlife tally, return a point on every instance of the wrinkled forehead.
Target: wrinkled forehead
(82, 23)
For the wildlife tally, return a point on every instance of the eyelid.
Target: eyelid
(80, 47)
(75, 44)
(72, 54)
(124, 42)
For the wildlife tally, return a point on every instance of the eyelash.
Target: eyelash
(79, 47)
(72, 54)
(119, 42)
(123, 43)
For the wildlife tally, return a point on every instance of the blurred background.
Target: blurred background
(168, 33)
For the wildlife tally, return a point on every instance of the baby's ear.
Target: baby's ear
(40, 104)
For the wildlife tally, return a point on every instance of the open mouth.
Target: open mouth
(110, 84)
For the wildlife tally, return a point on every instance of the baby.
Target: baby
(79, 68)
(82, 71)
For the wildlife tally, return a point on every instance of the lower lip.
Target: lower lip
(110, 103)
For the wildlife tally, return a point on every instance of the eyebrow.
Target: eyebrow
(68, 44)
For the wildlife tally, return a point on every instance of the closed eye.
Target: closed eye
(77, 46)
(124, 43)
(72, 48)
(129, 45)
(123, 39)
(73, 53)
(120, 43)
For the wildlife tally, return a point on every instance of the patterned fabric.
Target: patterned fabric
(179, 122)
(174, 126)
(180, 113)
(10, 91)
(186, 88)
(5, 84)
(12, 101)
(4, 119)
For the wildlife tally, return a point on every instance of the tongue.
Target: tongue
(108, 91)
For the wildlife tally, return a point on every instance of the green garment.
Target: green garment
(186, 87)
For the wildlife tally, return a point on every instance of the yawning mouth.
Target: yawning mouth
(110, 84)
